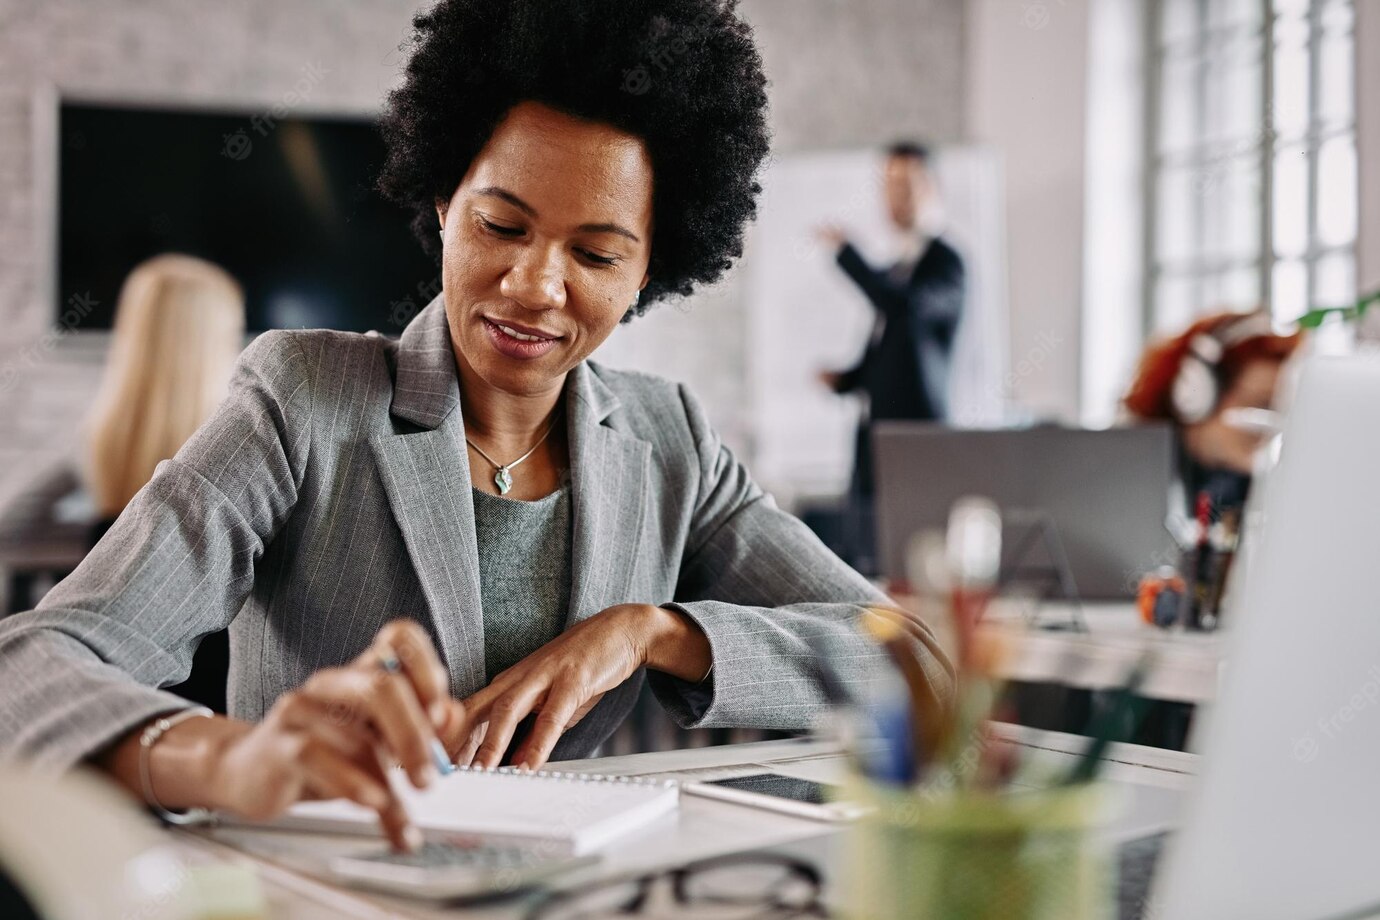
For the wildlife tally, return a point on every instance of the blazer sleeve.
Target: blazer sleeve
(851, 379)
(763, 587)
(889, 296)
(928, 305)
(938, 291)
(932, 299)
(83, 668)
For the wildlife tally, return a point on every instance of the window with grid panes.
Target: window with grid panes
(1252, 190)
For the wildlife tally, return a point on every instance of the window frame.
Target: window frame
(1262, 146)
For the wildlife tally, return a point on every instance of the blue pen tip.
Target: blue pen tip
(438, 753)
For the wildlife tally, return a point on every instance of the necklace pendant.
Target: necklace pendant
(504, 480)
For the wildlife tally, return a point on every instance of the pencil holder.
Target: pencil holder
(944, 855)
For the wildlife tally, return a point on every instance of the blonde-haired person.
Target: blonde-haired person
(179, 327)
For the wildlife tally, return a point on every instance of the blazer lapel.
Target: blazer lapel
(427, 479)
(609, 471)
(426, 476)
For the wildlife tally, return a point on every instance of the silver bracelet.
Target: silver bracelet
(152, 732)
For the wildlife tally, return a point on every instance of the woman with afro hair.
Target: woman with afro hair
(1198, 380)
(473, 543)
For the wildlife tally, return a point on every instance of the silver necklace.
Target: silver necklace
(503, 476)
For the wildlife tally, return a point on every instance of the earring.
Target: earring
(637, 298)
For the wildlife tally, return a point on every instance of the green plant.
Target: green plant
(1314, 318)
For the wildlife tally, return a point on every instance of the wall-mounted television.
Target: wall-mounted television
(286, 205)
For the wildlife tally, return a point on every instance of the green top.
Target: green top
(524, 573)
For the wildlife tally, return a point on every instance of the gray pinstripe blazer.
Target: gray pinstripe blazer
(330, 493)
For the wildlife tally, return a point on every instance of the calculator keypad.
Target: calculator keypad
(448, 856)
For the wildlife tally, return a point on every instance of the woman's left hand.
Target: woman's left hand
(566, 678)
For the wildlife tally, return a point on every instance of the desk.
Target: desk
(1154, 779)
(1187, 664)
(37, 547)
(1186, 668)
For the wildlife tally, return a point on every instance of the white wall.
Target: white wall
(1113, 269)
(1027, 96)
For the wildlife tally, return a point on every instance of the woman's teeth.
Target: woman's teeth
(519, 336)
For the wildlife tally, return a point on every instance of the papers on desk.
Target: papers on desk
(564, 813)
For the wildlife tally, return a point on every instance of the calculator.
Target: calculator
(444, 870)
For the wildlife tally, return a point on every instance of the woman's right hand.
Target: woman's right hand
(335, 736)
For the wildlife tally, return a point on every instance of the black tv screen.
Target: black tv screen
(286, 205)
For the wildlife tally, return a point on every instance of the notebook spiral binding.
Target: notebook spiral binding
(570, 777)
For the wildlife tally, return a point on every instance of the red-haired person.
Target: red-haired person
(1226, 362)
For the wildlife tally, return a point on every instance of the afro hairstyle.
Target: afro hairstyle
(684, 76)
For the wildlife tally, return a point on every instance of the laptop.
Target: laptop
(1284, 818)
(1097, 498)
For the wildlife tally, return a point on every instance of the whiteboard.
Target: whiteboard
(805, 315)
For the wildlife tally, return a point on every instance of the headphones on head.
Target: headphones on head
(1198, 384)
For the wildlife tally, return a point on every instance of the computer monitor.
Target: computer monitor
(1103, 495)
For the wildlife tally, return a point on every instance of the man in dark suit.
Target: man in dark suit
(918, 299)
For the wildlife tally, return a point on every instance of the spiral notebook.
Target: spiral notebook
(570, 813)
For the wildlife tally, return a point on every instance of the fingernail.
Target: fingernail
(412, 838)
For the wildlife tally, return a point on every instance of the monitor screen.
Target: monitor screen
(286, 205)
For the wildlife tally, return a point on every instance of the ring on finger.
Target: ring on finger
(389, 663)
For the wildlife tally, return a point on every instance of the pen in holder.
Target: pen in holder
(955, 827)
(1206, 565)
(971, 855)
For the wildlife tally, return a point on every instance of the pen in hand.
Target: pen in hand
(441, 758)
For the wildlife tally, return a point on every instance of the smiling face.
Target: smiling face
(547, 240)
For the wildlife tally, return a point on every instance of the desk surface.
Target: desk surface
(1187, 665)
(1154, 780)
(1186, 670)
